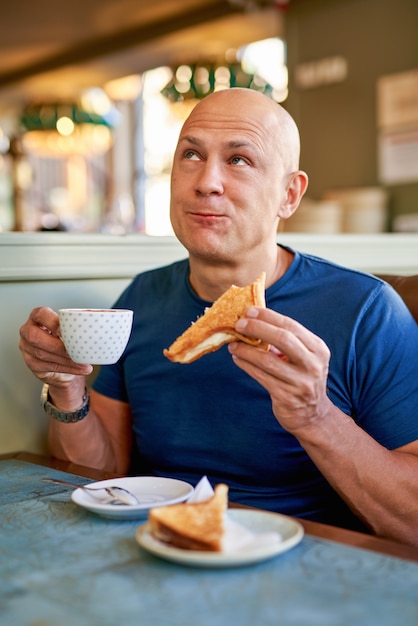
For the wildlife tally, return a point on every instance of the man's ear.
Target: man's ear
(296, 187)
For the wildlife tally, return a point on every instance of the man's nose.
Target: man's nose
(209, 180)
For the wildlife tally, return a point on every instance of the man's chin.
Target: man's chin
(205, 244)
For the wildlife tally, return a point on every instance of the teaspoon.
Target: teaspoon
(119, 494)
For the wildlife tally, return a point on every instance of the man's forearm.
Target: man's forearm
(84, 442)
(378, 485)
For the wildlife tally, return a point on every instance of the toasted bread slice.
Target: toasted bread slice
(197, 526)
(217, 325)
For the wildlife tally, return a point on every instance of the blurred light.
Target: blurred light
(208, 78)
(4, 142)
(259, 65)
(201, 75)
(65, 126)
(266, 60)
(60, 129)
(184, 73)
(182, 87)
(24, 174)
(126, 88)
(222, 74)
(96, 102)
(50, 221)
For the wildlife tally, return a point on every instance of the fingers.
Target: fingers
(286, 336)
(39, 336)
(47, 319)
(43, 351)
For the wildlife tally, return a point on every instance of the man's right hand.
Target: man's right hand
(44, 352)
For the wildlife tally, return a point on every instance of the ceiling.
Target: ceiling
(51, 49)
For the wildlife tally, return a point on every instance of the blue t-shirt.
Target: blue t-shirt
(210, 418)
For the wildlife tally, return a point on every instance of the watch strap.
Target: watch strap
(68, 417)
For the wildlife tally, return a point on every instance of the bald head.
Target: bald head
(239, 106)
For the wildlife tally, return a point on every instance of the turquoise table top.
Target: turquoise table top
(63, 566)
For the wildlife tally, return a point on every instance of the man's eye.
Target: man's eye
(191, 155)
(237, 160)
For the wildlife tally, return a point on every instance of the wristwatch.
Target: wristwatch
(67, 417)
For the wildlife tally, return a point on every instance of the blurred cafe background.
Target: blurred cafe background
(93, 93)
(92, 97)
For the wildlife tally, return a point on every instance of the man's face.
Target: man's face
(227, 181)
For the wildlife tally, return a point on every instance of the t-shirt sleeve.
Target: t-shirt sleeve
(110, 382)
(384, 370)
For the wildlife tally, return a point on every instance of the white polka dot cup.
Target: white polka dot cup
(95, 336)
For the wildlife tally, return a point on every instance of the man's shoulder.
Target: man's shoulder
(327, 267)
(324, 272)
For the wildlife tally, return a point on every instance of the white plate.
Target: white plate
(257, 521)
(151, 491)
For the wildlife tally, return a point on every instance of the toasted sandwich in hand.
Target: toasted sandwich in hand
(194, 526)
(217, 325)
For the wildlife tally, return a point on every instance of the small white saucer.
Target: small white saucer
(151, 491)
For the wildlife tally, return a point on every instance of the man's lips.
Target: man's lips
(207, 220)
(206, 215)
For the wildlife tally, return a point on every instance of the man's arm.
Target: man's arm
(102, 439)
(380, 486)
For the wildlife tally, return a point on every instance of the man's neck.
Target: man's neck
(210, 281)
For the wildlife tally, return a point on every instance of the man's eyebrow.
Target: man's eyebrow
(190, 139)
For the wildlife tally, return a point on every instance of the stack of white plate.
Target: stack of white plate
(364, 208)
(323, 217)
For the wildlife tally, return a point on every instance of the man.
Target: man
(330, 431)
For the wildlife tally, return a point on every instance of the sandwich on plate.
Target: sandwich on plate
(192, 526)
